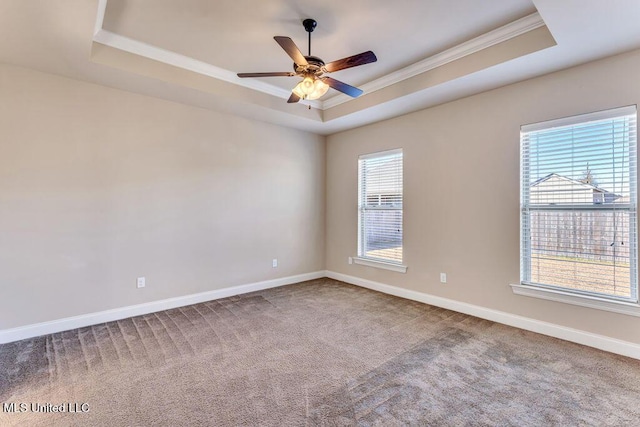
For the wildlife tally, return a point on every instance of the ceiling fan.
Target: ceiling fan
(312, 69)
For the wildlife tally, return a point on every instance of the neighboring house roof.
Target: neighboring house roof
(608, 195)
(571, 180)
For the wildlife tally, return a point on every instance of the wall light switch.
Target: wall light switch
(141, 282)
(443, 277)
(350, 260)
(274, 263)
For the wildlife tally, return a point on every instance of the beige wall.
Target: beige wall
(100, 186)
(461, 172)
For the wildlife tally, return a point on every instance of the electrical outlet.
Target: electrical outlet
(274, 263)
(141, 282)
(443, 277)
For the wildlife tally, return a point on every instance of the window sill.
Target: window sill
(621, 307)
(380, 264)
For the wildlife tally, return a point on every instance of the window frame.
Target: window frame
(623, 305)
(361, 258)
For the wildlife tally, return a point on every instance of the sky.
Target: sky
(606, 148)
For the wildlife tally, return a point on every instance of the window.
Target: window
(380, 207)
(578, 205)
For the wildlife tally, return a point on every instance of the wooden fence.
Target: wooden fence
(590, 235)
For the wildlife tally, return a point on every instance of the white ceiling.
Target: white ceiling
(238, 35)
(428, 52)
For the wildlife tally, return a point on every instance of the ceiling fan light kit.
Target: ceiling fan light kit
(312, 69)
(310, 88)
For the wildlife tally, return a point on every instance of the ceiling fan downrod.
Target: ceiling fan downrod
(309, 26)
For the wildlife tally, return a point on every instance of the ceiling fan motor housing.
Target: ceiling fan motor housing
(314, 66)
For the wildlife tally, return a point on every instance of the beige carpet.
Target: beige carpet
(315, 353)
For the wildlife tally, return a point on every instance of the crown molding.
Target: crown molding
(181, 61)
(155, 53)
(484, 41)
(102, 9)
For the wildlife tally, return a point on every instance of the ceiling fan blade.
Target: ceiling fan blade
(342, 87)
(292, 50)
(275, 74)
(352, 61)
(293, 98)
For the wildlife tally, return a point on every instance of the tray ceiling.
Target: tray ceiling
(428, 52)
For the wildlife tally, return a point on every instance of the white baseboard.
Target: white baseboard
(29, 331)
(601, 342)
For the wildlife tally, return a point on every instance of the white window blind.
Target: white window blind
(578, 204)
(380, 206)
